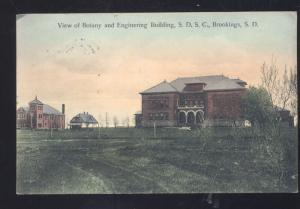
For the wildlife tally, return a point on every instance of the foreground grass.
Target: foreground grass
(132, 161)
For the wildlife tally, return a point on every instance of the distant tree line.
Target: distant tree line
(116, 121)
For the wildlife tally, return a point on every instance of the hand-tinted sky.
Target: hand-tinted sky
(103, 70)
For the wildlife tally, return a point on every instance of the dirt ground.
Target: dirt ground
(72, 166)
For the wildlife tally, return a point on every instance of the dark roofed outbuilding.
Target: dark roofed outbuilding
(83, 120)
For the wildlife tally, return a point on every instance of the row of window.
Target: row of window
(160, 104)
(21, 116)
(163, 103)
(40, 116)
(159, 116)
(32, 108)
(193, 102)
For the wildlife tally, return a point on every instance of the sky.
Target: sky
(99, 70)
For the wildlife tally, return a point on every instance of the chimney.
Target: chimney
(63, 108)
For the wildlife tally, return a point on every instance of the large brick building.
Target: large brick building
(193, 101)
(40, 116)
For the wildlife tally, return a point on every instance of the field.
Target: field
(128, 160)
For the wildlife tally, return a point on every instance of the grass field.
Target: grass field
(132, 161)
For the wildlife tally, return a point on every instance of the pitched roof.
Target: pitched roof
(161, 87)
(83, 118)
(35, 101)
(23, 109)
(47, 109)
(239, 80)
(213, 82)
(277, 108)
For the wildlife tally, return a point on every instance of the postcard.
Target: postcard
(144, 103)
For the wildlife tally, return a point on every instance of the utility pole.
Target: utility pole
(106, 121)
(31, 114)
(154, 129)
(51, 124)
(98, 131)
(99, 118)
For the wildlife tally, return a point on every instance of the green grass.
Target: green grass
(133, 161)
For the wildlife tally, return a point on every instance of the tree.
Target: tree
(100, 120)
(127, 122)
(294, 92)
(106, 120)
(115, 121)
(269, 79)
(257, 107)
(280, 88)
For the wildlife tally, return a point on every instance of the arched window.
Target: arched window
(182, 118)
(191, 118)
(199, 117)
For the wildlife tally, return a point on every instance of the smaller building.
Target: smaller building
(40, 116)
(286, 118)
(83, 120)
(138, 119)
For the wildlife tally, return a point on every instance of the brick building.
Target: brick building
(40, 116)
(193, 101)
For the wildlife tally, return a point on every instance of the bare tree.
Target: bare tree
(279, 88)
(269, 79)
(100, 120)
(127, 121)
(294, 92)
(115, 121)
(284, 90)
(106, 120)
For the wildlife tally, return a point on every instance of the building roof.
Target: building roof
(239, 80)
(83, 118)
(277, 108)
(35, 101)
(161, 87)
(47, 109)
(213, 82)
(22, 109)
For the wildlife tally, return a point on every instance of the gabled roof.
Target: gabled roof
(213, 82)
(35, 101)
(83, 118)
(277, 108)
(47, 109)
(162, 87)
(239, 80)
(23, 109)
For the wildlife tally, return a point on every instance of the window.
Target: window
(167, 116)
(39, 125)
(150, 116)
(159, 116)
(158, 102)
(40, 116)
